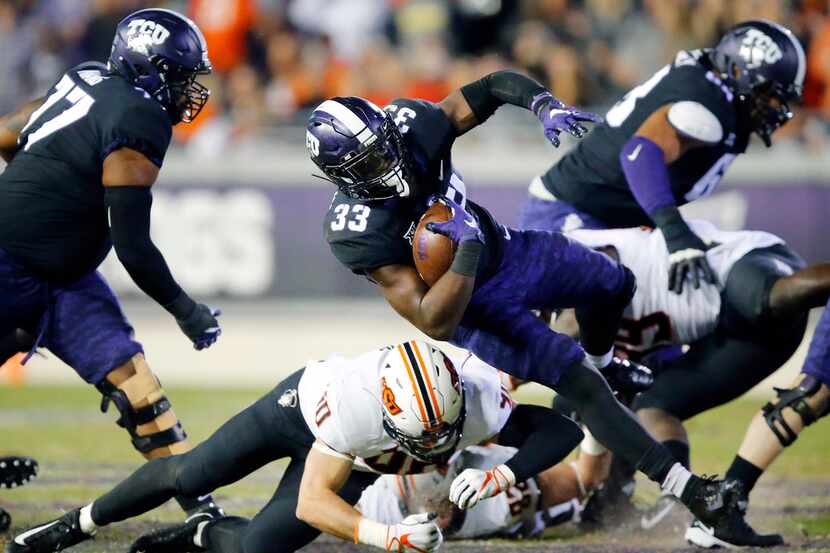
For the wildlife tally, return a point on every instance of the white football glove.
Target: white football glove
(473, 485)
(414, 534)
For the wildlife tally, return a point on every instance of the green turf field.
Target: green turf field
(82, 453)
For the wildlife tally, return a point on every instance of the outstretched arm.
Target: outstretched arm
(472, 104)
(127, 178)
(10, 127)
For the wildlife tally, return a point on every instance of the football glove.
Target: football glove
(687, 252)
(416, 533)
(201, 326)
(556, 117)
(462, 227)
(473, 485)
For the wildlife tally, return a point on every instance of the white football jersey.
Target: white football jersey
(340, 399)
(392, 498)
(657, 316)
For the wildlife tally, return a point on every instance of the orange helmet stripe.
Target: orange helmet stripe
(414, 386)
(425, 372)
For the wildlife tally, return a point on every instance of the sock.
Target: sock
(600, 361)
(88, 526)
(676, 480)
(745, 472)
(193, 505)
(679, 450)
(656, 462)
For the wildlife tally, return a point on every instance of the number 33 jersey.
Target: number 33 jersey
(656, 316)
(340, 399)
(52, 214)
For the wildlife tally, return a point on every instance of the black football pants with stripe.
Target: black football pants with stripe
(747, 346)
(264, 432)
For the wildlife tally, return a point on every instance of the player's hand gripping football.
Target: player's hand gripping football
(556, 117)
(201, 326)
(462, 227)
(416, 533)
(687, 260)
(473, 485)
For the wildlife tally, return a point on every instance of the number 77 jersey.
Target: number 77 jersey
(52, 213)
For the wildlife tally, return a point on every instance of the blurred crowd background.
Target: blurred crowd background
(276, 59)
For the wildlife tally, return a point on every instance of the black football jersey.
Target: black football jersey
(591, 178)
(365, 235)
(52, 214)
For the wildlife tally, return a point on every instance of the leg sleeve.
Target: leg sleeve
(714, 371)
(240, 446)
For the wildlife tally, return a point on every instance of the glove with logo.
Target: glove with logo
(556, 117)
(463, 227)
(687, 252)
(416, 533)
(197, 320)
(473, 485)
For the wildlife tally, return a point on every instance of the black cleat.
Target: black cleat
(53, 536)
(172, 539)
(627, 378)
(16, 471)
(723, 503)
(5, 520)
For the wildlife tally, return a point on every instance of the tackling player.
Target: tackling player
(738, 333)
(81, 163)
(388, 164)
(403, 409)
(670, 140)
(779, 423)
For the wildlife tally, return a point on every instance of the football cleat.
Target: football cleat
(658, 512)
(53, 536)
(172, 539)
(627, 378)
(16, 471)
(5, 520)
(733, 534)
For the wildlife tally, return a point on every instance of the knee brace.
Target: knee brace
(141, 401)
(795, 398)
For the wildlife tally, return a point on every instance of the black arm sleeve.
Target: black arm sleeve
(542, 436)
(487, 94)
(129, 214)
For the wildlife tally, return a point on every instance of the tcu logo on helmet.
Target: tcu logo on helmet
(757, 48)
(312, 143)
(143, 33)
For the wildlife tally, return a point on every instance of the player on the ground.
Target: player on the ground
(14, 471)
(81, 163)
(738, 333)
(403, 409)
(670, 140)
(780, 422)
(388, 165)
(523, 511)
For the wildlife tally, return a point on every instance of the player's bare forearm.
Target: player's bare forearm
(435, 311)
(10, 127)
(318, 504)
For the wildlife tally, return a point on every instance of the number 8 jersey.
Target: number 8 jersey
(52, 214)
(590, 176)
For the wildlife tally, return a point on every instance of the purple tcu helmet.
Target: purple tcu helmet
(162, 52)
(761, 61)
(358, 147)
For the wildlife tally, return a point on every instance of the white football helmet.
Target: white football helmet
(423, 401)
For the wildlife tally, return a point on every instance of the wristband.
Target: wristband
(371, 532)
(466, 258)
(181, 307)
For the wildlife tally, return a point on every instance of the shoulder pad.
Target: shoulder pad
(694, 120)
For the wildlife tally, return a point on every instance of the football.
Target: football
(433, 253)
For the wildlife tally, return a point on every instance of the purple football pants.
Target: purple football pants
(539, 270)
(81, 323)
(818, 356)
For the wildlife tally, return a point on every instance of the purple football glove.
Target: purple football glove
(463, 226)
(556, 117)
